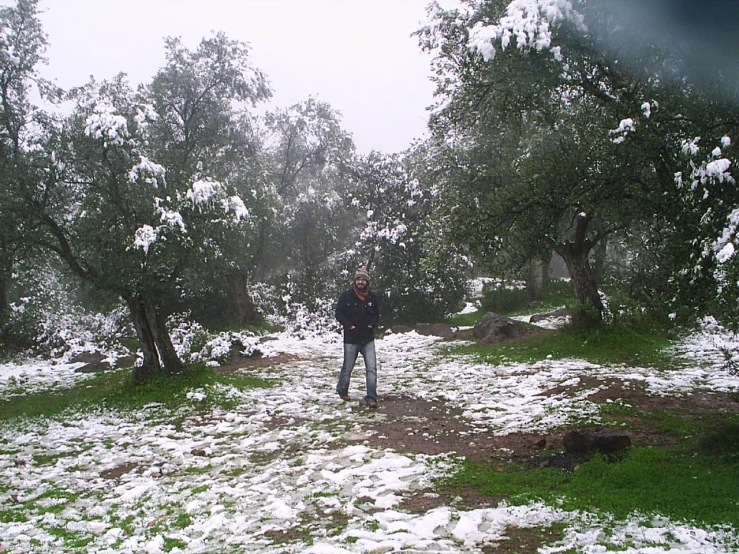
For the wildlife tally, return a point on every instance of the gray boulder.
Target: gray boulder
(561, 312)
(87, 357)
(125, 361)
(493, 328)
(94, 362)
(93, 367)
(435, 329)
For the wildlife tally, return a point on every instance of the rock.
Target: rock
(435, 329)
(87, 358)
(118, 471)
(125, 361)
(561, 312)
(575, 442)
(198, 452)
(493, 328)
(93, 367)
(464, 334)
(589, 442)
(237, 347)
(157, 521)
(401, 329)
(97, 363)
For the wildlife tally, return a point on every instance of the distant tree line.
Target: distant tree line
(176, 197)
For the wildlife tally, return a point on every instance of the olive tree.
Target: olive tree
(306, 155)
(133, 195)
(204, 126)
(22, 47)
(403, 239)
(546, 119)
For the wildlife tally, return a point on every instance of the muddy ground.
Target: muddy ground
(419, 426)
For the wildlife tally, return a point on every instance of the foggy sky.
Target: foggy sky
(357, 55)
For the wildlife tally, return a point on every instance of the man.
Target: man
(358, 311)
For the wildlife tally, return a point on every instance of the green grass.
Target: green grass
(670, 423)
(52, 402)
(13, 514)
(697, 481)
(182, 520)
(691, 483)
(71, 539)
(170, 544)
(508, 301)
(610, 344)
(714, 433)
(50, 459)
(466, 320)
(116, 390)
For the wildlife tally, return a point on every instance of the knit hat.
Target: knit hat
(362, 272)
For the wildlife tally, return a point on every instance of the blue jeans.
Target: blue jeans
(351, 352)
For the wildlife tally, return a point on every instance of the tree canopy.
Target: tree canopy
(556, 143)
(561, 128)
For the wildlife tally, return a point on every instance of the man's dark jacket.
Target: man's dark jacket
(351, 310)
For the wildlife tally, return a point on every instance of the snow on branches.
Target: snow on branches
(105, 124)
(205, 195)
(147, 170)
(704, 185)
(528, 24)
(625, 127)
(207, 192)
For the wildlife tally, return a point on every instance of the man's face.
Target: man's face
(361, 283)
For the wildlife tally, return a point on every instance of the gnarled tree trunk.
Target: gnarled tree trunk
(576, 257)
(582, 275)
(160, 356)
(242, 307)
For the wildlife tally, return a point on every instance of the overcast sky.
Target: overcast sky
(357, 55)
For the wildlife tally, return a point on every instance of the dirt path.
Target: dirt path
(419, 425)
(293, 469)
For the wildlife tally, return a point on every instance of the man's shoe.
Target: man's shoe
(345, 397)
(372, 405)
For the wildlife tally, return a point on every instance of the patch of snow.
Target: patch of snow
(256, 478)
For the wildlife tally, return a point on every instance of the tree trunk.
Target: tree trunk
(537, 278)
(167, 354)
(583, 277)
(575, 255)
(159, 353)
(242, 308)
(600, 252)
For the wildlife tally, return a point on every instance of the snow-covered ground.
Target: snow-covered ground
(290, 471)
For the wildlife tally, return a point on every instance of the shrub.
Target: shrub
(504, 297)
(584, 317)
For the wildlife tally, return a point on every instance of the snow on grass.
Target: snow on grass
(36, 375)
(290, 470)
